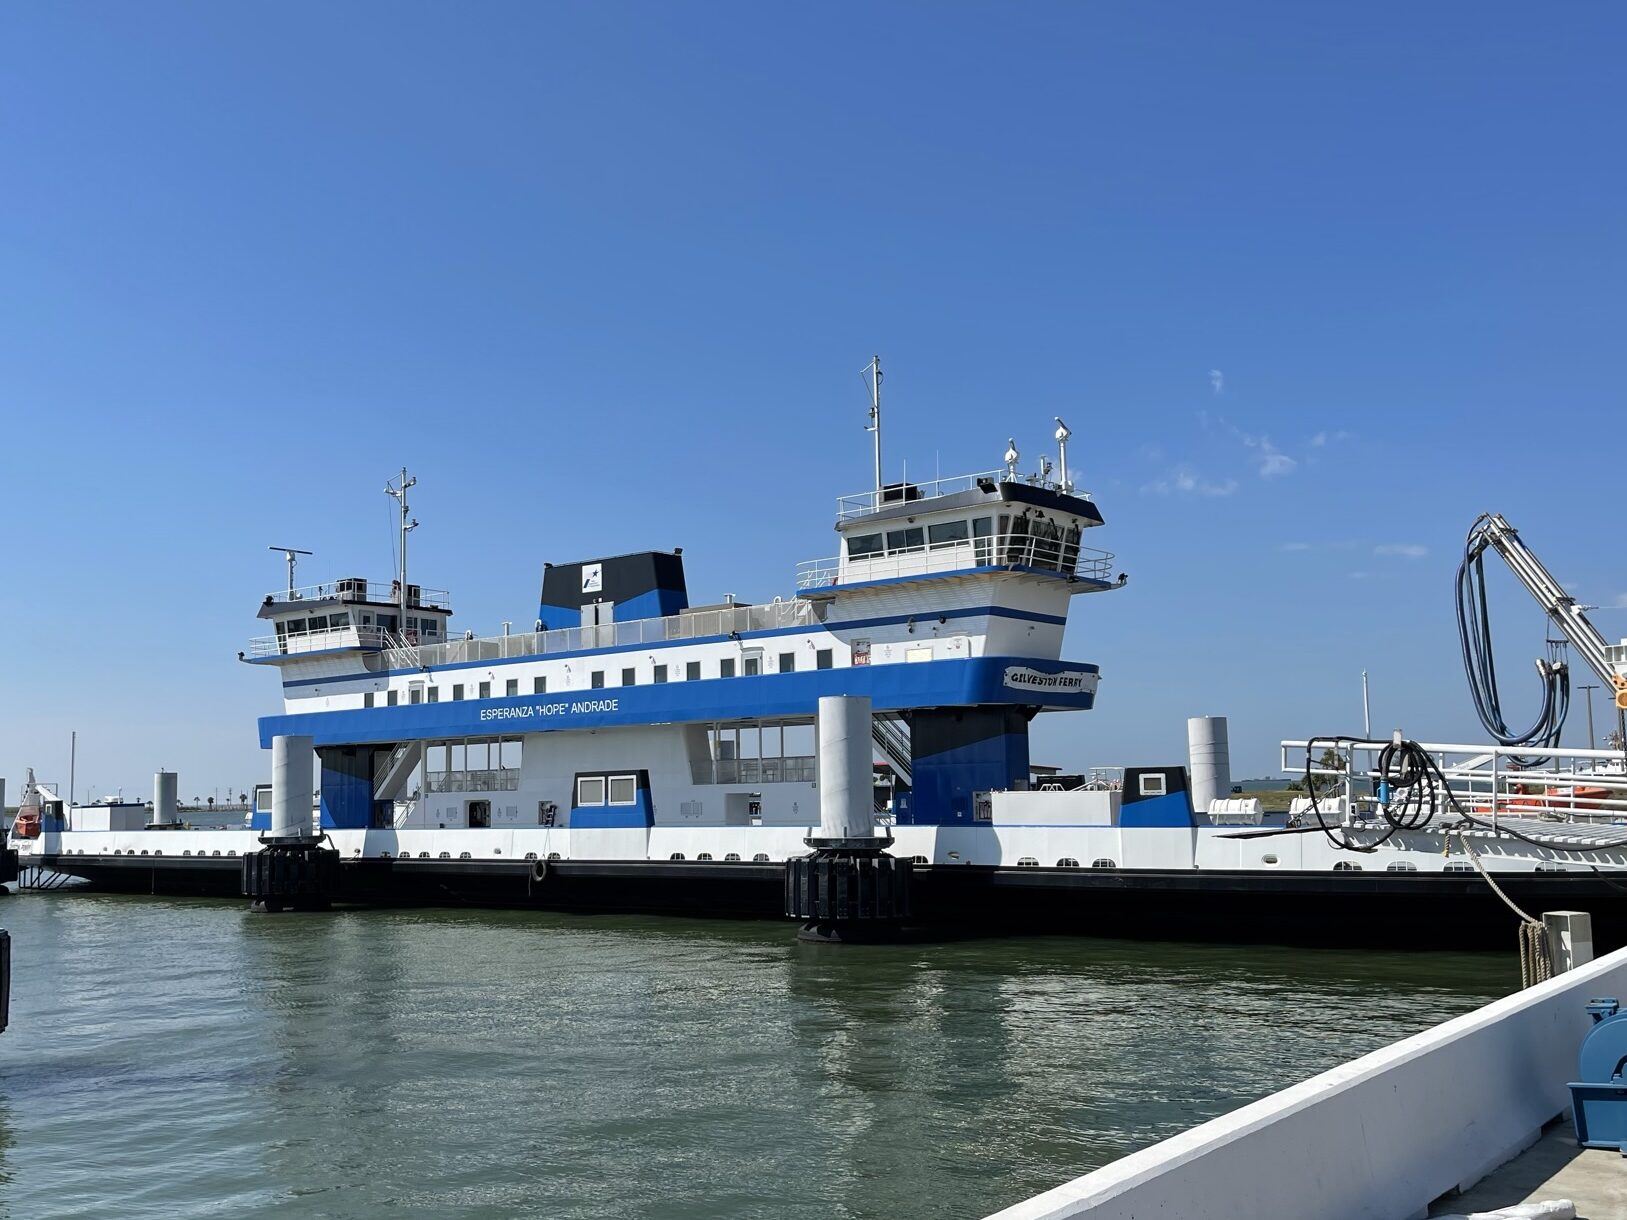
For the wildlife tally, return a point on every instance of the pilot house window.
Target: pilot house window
(911, 539)
(864, 546)
(946, 532)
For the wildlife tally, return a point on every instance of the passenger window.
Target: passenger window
(598, 679)
(725, 667)
(457, 691)
(660, 673)
(628, 677)
(692, 671)
(823, 659)
(485, 690)
(590, 790)
(513, 687)
(390, 699)
(788, 662)
(623, 790)
(539, 686)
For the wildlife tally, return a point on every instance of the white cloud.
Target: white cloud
(1185, 481)
(1273, 461)
(1323, 439)
(1404, 550)
(1217, 381)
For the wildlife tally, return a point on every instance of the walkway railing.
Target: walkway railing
(861, 503)
(1488, 781)
(1001, 550)
(690, 625)
(355, 589)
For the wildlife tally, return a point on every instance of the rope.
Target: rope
(1536, 954)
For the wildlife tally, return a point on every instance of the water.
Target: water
(181, 1059)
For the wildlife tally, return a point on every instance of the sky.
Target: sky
(1313, 285)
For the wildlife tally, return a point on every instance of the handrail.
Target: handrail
(862, 503)
(356, 589)
(1010, 550)
(688, 625)
(1582, 785)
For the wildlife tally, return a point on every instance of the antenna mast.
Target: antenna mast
(291, 554)
(407, 526)
(874, 369)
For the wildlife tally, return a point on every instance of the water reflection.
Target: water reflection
(378, 1063)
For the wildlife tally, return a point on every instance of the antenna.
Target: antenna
(1012, 458)
(407, 526)
(1062, 435)
(874, 369)
(291, 554)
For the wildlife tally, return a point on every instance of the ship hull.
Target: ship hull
(1241, 906)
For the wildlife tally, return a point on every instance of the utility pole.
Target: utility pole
(1366, 709)
(1590, 688)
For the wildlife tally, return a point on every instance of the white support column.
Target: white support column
(166, 805)
(846, 768)
(293, 765)
(1209, 760)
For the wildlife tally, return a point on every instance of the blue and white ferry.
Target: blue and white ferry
(637, 751)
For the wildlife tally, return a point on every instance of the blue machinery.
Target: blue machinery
(1599, 1098)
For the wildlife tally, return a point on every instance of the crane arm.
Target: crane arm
(1494, 531)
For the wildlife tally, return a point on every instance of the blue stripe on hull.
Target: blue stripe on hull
(953, 683)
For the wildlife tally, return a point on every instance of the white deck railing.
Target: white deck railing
(355, 589)
(1488, 781)
(690, 625)
(1000, 550)
(863, 502)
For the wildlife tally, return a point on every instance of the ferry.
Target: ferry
(637, 752)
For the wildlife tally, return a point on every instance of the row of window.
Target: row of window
(423, 627)
(915, 538)
(749, 667)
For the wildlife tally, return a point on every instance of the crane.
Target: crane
(1491, 531)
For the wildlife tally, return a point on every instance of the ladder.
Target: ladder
(893, 743)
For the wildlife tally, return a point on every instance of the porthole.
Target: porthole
(1268, 859)
(1401, 866)
(1067, 862)
(761, 857)
(1028, 862)
(732, 858)
(1103, 862)
(705, 855)
(445, 855)
(1345, 866)
(918, 860)
(553, 855)
(463, 855)
(677, 855)
(530, 855)
(423, 855)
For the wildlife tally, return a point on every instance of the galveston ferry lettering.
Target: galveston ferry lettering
(1023, 678)
(530, 711)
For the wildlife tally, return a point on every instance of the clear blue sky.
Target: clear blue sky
(604, 275)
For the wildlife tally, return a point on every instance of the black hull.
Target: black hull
(1394, 910)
